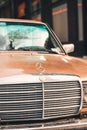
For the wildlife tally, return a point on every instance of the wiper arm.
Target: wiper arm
(31, 49)
(24, 48)
(40, 49)
(51, 51)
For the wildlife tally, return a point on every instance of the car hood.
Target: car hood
(17, 63)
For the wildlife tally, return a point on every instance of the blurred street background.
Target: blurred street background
(68, 18)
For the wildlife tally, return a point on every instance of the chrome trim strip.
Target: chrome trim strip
(20, 101)
(43, 100)
(62, 89)
(81, 94)
(61, 98)
(38, 109)
(30, 78)
(20, 92)
(40, 100)
(61, 107)
(19, 110)
(41, 126)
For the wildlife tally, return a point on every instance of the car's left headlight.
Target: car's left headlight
(84, 105)
(85, 93)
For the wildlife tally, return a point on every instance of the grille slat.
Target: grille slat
(64, 102)
(37, 101)
(24, 115)
(68, 84)
(20, 106)
(61, 111)
(54, 94)
(23, 96)
(20, 87)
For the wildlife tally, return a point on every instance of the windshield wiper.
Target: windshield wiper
(40, 49)
(51, 51)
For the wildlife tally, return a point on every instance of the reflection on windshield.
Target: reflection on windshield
(24, 36)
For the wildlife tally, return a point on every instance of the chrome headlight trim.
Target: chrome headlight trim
(84, 83)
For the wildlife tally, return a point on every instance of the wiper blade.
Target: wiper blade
(40, 49)
(51, 51)
(33, 48)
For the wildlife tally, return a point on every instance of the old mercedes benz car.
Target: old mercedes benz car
(40, 84)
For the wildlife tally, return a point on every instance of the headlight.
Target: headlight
(84, 104)
(85, 93)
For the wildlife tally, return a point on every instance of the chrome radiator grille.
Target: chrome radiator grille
(37, 101)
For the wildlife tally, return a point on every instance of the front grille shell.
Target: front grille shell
(40, 101)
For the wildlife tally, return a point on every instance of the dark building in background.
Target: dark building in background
(67, 18)
(5, 11)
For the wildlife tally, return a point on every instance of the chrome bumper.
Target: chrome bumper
(55, 125)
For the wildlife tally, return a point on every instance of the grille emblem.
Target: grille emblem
(40, 67)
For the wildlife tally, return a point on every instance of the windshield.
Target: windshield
(25, 36)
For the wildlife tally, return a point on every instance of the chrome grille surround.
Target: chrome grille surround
(47, 97)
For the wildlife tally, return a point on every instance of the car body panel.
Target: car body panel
(29, 62)
(52, 125)
(21, 66)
